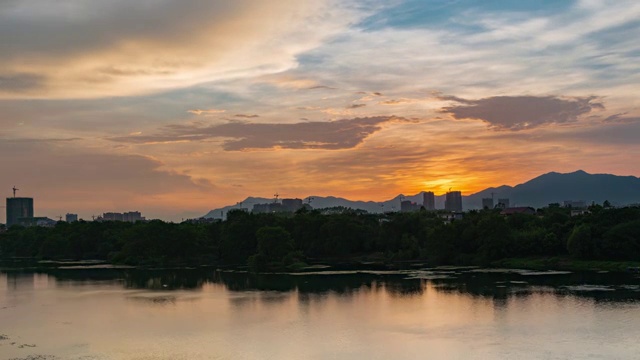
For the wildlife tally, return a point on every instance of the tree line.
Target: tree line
(268, 241)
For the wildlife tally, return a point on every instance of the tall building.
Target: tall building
(17, 208)
(453, 201)
(71, 218)
(429, 200)
(503, 204)
(487, 203)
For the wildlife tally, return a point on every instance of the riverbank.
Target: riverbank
(538, 263)
(565, 263)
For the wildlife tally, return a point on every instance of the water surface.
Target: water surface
(420, 314)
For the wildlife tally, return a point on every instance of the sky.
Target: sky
(174, 108)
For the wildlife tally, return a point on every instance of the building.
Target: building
(18, 208)
(267, 208)
(131, 216)
(487, 203)
(578, 212)
(408, 206)
(453, 201)
(503, 204)
(112, 216)
(260, 208)
(287, 205)
(429, 200)
(71, 218)
(448, 218)
(292, 205)
(37, 221)
(580, 204)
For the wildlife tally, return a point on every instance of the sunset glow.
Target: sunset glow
(174, 108)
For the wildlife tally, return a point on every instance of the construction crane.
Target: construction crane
(14, 190)
(276, 197)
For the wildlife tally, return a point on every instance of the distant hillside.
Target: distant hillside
(320, 202)
(556, 188)
(538, 192)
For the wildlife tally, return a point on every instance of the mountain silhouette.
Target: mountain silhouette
(538, 192)
(554, 187)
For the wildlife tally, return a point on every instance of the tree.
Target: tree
(580, 244)
(274, 242)
(622, 242)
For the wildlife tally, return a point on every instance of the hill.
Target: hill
(541, 191)
(554, 187)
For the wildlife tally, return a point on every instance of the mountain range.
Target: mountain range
(541, 191)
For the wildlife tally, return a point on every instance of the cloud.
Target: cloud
(206, 112)
(521, 112)
(119, 47)
(620, 118)
(479, 50)
(247, 116)
(321, 87)
(334, 135)
(396, 101)
(367, 93)
(355, 106)
(20, 82)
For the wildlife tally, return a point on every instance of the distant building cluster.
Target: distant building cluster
(20, 211)
(131, 216)
(286, 205)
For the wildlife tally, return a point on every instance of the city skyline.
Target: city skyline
(177, 108)
(576, 190)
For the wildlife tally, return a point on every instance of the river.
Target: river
(450, 313)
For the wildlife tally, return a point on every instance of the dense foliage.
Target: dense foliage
(267, 240)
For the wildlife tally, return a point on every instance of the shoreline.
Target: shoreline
(535, 263)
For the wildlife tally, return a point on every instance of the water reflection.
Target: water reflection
(207, 313)
(498, 286)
